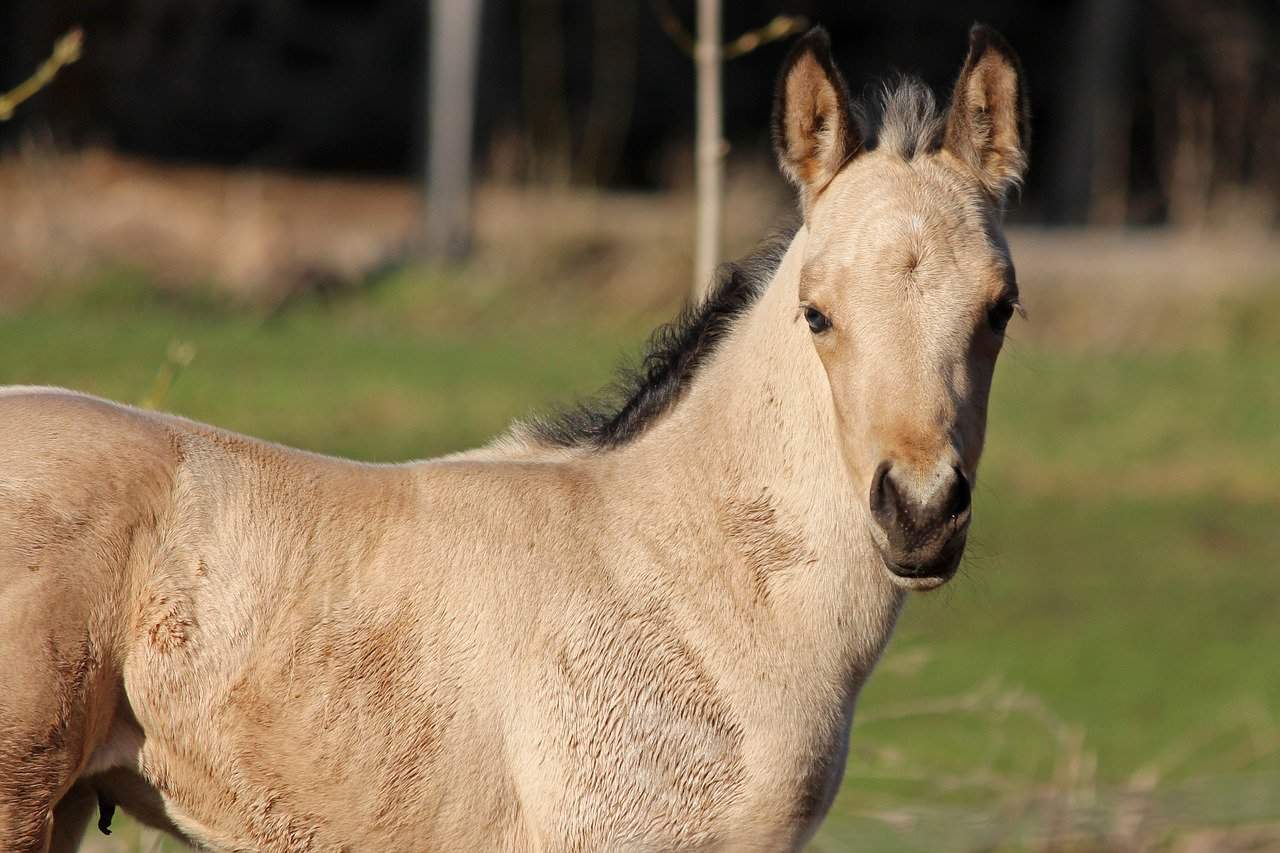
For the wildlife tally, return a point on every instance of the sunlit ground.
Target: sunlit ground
(1102, 675)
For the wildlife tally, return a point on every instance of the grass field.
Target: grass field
(1104, 674)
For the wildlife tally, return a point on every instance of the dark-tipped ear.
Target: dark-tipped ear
(989, 123)
(813, 128)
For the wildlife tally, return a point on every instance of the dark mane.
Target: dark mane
(645, 391)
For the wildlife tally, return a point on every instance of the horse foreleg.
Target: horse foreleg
(70, 817)
(50, 669)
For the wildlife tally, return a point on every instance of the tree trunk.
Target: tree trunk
(710, 148)
(1098, 90)
(451, 84)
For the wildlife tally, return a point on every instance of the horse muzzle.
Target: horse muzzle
(921, 541)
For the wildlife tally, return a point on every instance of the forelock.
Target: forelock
(902, 117)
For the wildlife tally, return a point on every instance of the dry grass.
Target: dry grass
(1003, 803)
(264, 237)
(67, 216)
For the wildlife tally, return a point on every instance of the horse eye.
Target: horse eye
(818, 322)
(999, 315)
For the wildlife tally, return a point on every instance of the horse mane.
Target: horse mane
(902, 116)
(646, 390)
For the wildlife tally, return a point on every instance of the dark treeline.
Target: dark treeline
(1146, 111)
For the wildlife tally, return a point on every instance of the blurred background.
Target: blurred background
(223, 209)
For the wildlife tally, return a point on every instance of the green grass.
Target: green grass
(1113, 634)
(352, 377)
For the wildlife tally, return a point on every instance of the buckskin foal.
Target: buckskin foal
(635, 629)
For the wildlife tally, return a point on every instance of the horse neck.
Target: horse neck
(751, 454)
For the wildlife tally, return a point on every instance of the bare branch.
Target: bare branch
(673, 26)
(779, 28)
(65, 51)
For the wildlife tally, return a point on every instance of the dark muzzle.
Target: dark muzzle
(925, 539)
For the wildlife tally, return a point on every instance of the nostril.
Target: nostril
(959, 499)
(883, 495)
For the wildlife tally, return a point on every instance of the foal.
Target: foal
(639, 629)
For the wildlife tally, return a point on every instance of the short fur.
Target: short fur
(814, 133)
(989, 124)
(902, 117)
(644, 629)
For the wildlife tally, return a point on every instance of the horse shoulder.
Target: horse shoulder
(80, 480)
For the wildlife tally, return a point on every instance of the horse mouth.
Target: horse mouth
(929, 574)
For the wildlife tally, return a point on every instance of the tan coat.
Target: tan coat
(653, 646)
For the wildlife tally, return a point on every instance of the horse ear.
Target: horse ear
(813, 128)
(988, 125)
